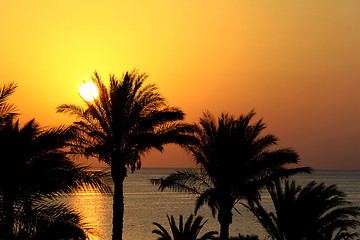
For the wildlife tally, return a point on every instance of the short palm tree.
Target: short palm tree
(129, 119)
(189, 231)
(35, 169)
(235, 164)
(314, 212)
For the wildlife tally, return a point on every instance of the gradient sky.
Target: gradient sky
(297, 63)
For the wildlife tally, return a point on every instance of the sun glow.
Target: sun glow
(89, 91)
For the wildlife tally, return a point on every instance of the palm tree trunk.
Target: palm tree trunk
(225, 219)
(224, 231)
(118, 175)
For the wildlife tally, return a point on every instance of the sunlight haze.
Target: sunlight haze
(297, 63)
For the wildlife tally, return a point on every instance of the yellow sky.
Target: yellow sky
(296, 62)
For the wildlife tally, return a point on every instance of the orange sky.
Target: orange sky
(296, 62)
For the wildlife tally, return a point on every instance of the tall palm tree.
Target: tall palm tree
(35, 169)
(235, 162)
(314, 212)
(129, 119)
(189, 231)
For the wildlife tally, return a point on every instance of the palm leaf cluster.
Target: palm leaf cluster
(188, 231)
(127, 120)
(42, 220)
(236, 157)
(315, 212)
(236, 163)
(36, 170)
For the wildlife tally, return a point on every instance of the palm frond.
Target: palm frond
(7, 90)
(7, 110)
(164, 235)
(209, 196)
(183, 181)
(72, 110)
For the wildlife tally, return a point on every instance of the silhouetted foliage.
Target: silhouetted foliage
(236, 163)
(7, 110)
(247, 237)
(313, 212)
(188, 231)
(35, 169)
(57, 222)
(128, 120)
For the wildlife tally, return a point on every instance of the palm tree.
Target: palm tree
(235, 164)
(35, 169)
(189, 231)
(314, 212)
(128, 120)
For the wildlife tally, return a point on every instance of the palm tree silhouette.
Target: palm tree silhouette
(314, 212)
(36, 169)
(128, 120)
(235, 164)
(189, 231)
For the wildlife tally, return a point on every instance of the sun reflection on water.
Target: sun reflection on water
(96, 209)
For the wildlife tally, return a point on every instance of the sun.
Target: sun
(89, 91)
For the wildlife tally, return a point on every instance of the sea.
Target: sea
(145, 204)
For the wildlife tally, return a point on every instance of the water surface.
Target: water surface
(144, 204)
